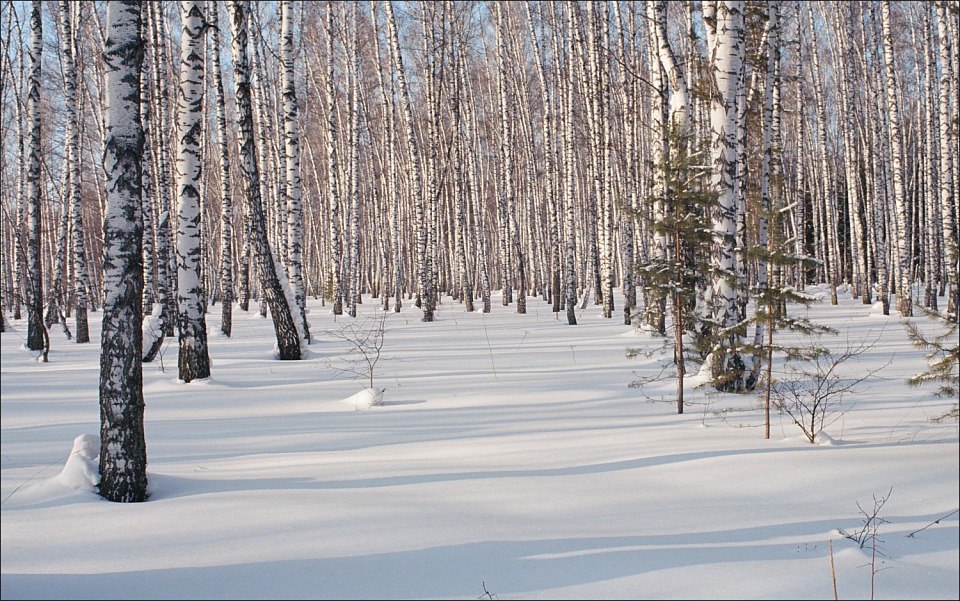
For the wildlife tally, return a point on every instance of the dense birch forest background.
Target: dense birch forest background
(701, 158)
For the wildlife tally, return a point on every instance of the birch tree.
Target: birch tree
(547, 133)
(72, 135)
(570, 292)
(948, 175)
(425, 277)
(333, 187)
(123, 451)
(389, 101)
(725, 29)
(36, 332)
(226, 198)
(904, 300)
(510, 235)
(291, 137)
(161, 154)
(194, 360)
(288, 336)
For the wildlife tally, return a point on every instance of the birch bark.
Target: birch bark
(123, 450)
(36, 332)
(725, 23)
(904, 300)
(288, 336)
(194, 359)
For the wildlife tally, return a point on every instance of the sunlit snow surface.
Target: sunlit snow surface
(498, 453)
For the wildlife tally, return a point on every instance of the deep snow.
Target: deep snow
(506, 458)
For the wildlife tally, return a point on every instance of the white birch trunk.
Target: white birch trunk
(123, 451)
(570, 291)
(194, 359)
(726, 49)
(36, 332)
(72, 196)
(353, 76)
(417, 177)
(904, 299)
(949, 204)
(291, 137)
(285, 325)
(226, 198)
(166, 267)
(333, 184)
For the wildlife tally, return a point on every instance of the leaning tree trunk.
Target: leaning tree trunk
(123, 449)
(36, 333)
(288, 337)
(291, 137)
(194, 359)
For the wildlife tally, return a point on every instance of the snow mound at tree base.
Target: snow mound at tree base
(81, 470)
(366, 398)
(78, 478)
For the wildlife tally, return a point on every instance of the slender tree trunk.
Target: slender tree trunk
(460, 189)
(628, 97)
(353, 75)
(82, 333)
(948, 177)
(828, 208)
(511, 247)
(294, 213)
(21, 286)
(904, 299)
(194, 359)
(418, 200)
(766, 203)
(333, 188)
(56, 304)
(389, 110)
(36, 333)
(568, 131)
(226, 199)
(148, 209)
(800, 204)
(547, 132)
(165, 269)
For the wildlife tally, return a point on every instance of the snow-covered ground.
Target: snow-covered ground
(506, 457)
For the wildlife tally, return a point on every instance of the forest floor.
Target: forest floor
(498, 456)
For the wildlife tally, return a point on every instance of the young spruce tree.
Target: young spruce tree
(684, 267)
